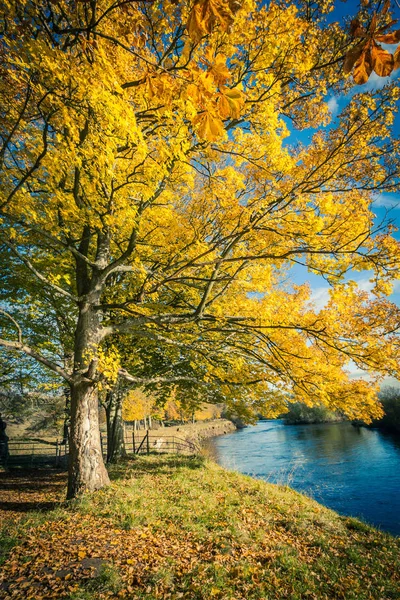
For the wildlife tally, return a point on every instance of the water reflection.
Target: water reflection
(355, 471)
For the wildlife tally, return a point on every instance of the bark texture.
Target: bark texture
(87, 471)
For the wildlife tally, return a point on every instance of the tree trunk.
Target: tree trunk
(86, 466)
(115, 432)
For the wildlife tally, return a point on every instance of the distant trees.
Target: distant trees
(301, 413)
(390, 399)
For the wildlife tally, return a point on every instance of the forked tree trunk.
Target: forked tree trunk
(86, 466)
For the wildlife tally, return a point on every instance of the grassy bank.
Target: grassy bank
(173, 527)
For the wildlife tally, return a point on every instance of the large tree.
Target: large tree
(148, 186)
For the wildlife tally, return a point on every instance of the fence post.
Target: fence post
(57, 450)
(133, 441)
(148, 443)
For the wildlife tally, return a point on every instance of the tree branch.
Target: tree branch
(41, 277)
(21, 347)
(147, 380)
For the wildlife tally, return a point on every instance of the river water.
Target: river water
(355, 471)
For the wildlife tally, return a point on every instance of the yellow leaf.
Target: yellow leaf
(192, 92)
(209, 127)
(235, 99)
(224, 109)
(219, 70)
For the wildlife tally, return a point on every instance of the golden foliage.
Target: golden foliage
(137, 405)
(148, 184)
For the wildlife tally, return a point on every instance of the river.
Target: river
(355, 471)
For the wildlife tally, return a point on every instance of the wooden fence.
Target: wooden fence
(36, 452)
(41, 452)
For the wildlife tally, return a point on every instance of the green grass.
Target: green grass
(172, 527)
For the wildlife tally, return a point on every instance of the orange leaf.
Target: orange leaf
(389, 38)
(205, 13)
(200, 20)
(356, 29)
(224, 109)
(351, 57)
(372, 26)
(396, 59)
(382, 61)
(221, 10)
(362, 68)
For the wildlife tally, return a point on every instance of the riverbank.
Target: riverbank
(355, 471)
(184, 528)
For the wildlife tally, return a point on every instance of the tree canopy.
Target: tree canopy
(153, 205)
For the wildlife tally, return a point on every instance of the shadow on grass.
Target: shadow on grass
(31, 479)
(154, 464)
(24, 491)
(24, 507)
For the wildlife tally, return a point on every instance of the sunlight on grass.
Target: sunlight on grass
(172, 527)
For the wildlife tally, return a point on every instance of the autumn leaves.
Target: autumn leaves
(368, 55)
(219, 101)
(216, 102)
(206, 13)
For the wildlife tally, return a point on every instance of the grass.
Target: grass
(172, 527)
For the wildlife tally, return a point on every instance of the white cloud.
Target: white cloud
(387, 201)
(320, 295)
(365, 285)
(390, 382)
(333, 105)
(375, 82)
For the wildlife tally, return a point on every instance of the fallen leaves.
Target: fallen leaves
(195, 532)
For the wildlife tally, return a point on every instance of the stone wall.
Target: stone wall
(191, 432)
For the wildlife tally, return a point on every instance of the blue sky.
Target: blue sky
(386, 205)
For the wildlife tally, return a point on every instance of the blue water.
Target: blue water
(355, 471)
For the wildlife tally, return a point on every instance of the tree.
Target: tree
(148, 187)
